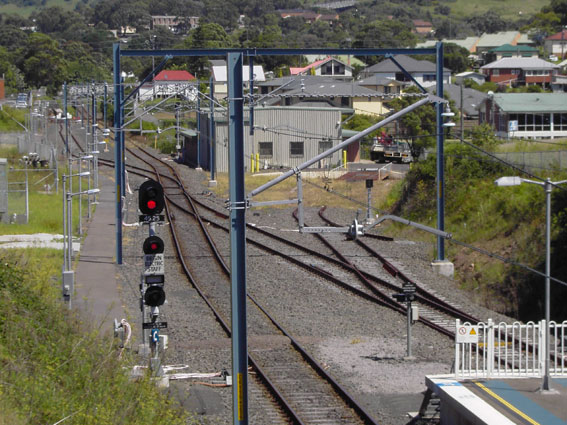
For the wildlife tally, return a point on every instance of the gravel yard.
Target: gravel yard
(363, 345)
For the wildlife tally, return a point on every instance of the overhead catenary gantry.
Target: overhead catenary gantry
(238, 201)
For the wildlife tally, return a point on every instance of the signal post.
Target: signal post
(152, 294)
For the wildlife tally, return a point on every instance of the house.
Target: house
(308, 15)
(509, 51)
(526, 115)
(350, 60)
(424, 72)
(387, 86)
(556, 44)
(520, 71)
(479, 46)
(340, 5)
(174, 23)
(421, 27)
(487, 42)
(470, 75)
(322, 91)
(169, 83)
(328, 67)
(283, 137)
(275, 89)
(220, 79)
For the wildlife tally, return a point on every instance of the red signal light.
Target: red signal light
(153, 245)
(151, 198)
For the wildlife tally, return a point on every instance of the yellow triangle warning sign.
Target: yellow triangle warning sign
(472, 332)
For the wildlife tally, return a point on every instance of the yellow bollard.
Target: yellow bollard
(251, 163)
(257, 162)
(344, 159)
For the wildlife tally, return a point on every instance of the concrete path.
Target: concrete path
(96, 288)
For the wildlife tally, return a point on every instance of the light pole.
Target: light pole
(547, 186)
(68, 275)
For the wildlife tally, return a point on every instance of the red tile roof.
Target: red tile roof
(174, 76)
(296, 71)
(561, 35)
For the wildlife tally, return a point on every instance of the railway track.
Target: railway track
(304, 390)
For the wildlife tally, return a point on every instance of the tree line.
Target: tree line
(54, 45)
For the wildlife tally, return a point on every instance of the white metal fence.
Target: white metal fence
(487, 350)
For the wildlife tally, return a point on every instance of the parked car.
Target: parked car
(22, 101)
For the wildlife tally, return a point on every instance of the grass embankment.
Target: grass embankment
(508, 221)
(46, 212)
(52, 364)
(317, 191)
(10, 117)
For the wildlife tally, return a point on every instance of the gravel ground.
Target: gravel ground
(363, 345)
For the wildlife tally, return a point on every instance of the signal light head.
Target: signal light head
(150, 198)
(153, 245)
(154, 296)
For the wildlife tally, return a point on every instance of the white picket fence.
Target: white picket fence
(509, 350)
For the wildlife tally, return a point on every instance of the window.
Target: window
(429, 77)
(515, 72)
(295, 149)
(325, 145)
(537, 122)
(495, 72)
(559, 122)
(266, 149)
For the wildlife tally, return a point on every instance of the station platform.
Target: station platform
(501, 401)
(97, 292)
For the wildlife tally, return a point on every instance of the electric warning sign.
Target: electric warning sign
(467, 334)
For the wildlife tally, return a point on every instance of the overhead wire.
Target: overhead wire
(455, 241)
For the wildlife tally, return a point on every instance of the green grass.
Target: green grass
(27, 10)
(46, 211)
(507, 221)
(507, 9)
(52, 365)
(8, 118)
(525, 145)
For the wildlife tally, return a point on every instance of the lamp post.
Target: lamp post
(547, 186)
(68, 274)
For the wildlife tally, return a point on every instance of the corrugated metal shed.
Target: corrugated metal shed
(282, 129)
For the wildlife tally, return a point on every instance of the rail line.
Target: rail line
(315, 400)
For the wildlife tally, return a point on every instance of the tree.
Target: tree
(13, 78)
(418, 125)
(43, 63)
(542, 25)
(55, 19)
(490, 22)
(560, 8)
(206, 36)
(11, 37)
(455, 57)
(384, 34)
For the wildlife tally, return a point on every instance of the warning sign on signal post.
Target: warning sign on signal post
(153, 264)
(467, 334)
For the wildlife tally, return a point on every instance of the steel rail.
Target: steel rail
(344, 394)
